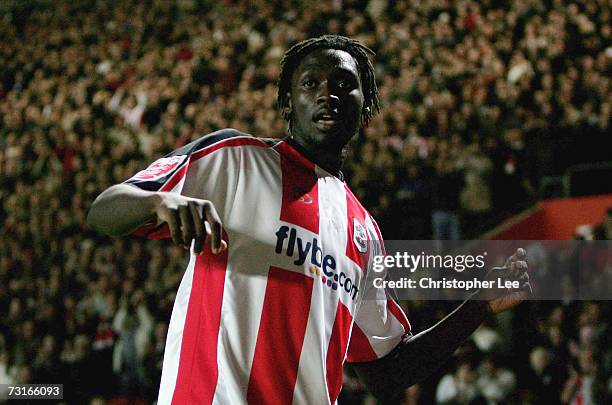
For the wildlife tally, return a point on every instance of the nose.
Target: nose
(327, 93)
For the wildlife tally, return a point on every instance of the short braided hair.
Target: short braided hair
(359, 52)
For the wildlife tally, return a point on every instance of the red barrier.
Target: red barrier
(553, 219)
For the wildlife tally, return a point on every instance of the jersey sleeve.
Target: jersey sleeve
(380, 323)
(203, 169)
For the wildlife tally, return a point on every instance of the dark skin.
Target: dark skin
(326, 106)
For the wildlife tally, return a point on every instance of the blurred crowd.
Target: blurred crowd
(543, 353)
(550, 350)
(473, 94)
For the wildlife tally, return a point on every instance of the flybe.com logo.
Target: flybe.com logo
(322, 265)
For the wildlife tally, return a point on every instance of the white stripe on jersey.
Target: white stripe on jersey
(332, 227)
(174, 339)
(246, 278)
(243, 299)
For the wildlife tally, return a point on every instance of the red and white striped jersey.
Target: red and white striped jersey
(273, 318)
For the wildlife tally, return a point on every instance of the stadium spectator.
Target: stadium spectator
(585, 384)
(544, 378)
(446, 188)
(494, 382)
(5, 369)
(475, 198)
(133, 325)
(460, 386)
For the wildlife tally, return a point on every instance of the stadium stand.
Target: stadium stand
(492, 95)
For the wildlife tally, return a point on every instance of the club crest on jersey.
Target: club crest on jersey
(159, 168)
(360, 237)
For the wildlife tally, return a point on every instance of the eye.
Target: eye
(345, 84)
(308, 83)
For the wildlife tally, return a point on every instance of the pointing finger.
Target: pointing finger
(186, 224)
(200, 233)
(173, 225)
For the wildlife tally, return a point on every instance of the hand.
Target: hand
(185, 222)
(515, 269)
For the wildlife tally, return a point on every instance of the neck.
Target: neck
(329, 159)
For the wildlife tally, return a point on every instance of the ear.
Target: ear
(288, 109)
(364, 119)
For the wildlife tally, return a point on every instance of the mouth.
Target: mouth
(327, 119)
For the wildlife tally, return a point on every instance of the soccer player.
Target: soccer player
(272, 301)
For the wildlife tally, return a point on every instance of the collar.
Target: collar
(302, 151)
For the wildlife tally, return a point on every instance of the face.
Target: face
(326, 100)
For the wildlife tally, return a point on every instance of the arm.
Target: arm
(122, 208)
(417, 357)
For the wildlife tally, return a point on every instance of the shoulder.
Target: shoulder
(224, 138)
(356, 205)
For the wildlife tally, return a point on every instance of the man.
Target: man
(271, 304)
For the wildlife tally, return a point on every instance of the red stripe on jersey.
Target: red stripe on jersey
(240, 141)
(147, 230)
(398, 313)
(161, 233)
(197, 374)
(359, 347)
(300, 204)
(337, 351)
(357, 234)
(176, 177)
(282, 328)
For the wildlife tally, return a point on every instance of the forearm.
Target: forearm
(121, 209)
(418, 357)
